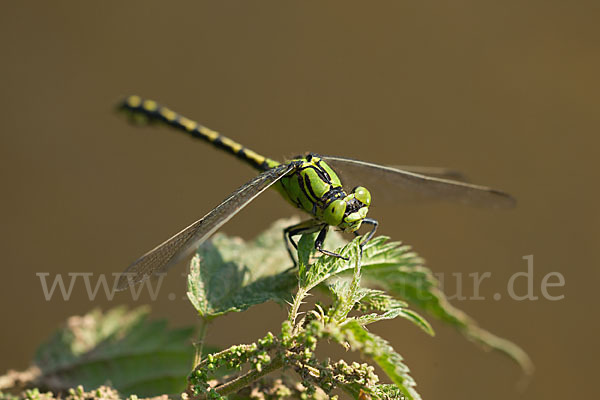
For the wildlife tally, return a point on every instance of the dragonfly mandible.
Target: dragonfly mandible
(312, 183)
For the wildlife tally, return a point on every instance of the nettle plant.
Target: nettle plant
(375, 284)
(135, 356)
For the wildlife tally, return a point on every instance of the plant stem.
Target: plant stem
(246, 379)
(199, 344)
(300, 295)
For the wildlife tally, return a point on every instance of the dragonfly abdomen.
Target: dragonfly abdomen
(150, 111)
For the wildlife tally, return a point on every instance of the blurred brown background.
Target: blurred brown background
(504, 91)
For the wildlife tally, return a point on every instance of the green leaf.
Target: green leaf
(390, 308)
(348, 293)
(401, 272)
(344, 299)
(384, 355)
(120, 347)
(227, 274)
(306, 249)
(325, 267)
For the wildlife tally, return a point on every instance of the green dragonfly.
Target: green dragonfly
(312, 183)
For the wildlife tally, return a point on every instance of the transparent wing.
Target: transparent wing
(436, 172)
(183, 243)
(400, 185)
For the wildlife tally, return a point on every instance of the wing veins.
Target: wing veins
(425, 187)
(174, 249)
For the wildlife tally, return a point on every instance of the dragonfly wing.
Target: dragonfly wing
(436, 172)
(176, 248)
(410, 186)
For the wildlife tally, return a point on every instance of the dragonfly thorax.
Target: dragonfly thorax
(315, 188)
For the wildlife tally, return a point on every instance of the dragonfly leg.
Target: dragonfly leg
(309, 226)
(319, 244)
(369, 236)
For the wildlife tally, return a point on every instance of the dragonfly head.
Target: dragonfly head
(356, 205)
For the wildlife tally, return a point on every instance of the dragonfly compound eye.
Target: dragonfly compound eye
(362, 194)
(334, 214)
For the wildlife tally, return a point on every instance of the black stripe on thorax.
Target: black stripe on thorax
(324, 171)
(334, 193)
(310, 188)
(303, 188)
(321, 173)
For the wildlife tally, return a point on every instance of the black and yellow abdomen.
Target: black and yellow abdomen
(144, 110)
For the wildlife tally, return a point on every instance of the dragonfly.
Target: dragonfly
(311, 183)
